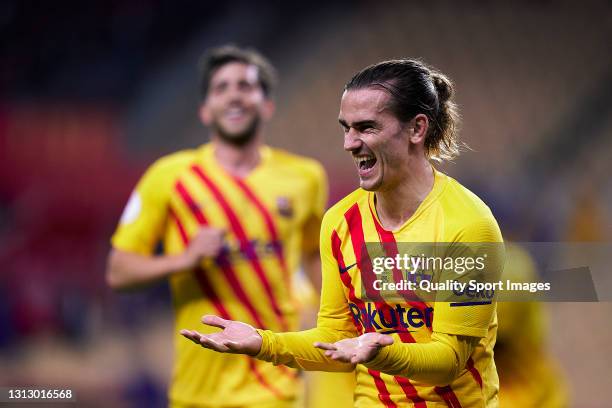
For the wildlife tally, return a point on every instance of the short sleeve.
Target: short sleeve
(321, 193)
(142, 223)
(319, 196)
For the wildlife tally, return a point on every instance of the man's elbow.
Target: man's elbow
(113, 274)
(112, 280)
(446, 378)
(446, 375)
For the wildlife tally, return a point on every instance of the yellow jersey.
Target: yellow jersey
(449, 214)
(529, 375)
(270, 216)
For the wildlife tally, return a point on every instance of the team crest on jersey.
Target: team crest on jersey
(284, 206)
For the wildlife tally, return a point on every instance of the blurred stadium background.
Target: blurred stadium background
(91, 92)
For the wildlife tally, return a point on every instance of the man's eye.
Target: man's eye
(219, 88)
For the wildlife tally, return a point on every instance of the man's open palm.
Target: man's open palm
(357, 350)
(236, 337)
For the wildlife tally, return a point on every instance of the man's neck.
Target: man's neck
(237, 160)
(396, 205)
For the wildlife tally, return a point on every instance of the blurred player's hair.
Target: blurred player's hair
(215, 58)
(416, 88)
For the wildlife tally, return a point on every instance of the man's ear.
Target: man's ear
(204, 114)
(419, 129)
(268, 109)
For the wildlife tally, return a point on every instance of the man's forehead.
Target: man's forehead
(360, 102)
(236, 70)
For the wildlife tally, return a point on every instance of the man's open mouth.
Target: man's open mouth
(365, 162)
(235, 113)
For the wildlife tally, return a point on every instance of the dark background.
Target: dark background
(92, 92)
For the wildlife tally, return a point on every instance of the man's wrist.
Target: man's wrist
(181, 262)
(264, 350)
(380, 359)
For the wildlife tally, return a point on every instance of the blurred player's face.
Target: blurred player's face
(377, 140)
(236, 104)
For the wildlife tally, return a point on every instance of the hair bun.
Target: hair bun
(443, 85)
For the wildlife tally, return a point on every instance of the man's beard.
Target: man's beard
(238, 139)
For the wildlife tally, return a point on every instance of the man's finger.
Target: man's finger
(191, 336)
(210, 343)
(356, 360)
(215, 321)
(384, 341)
(325, 346)
(340, 356)
(234, 345)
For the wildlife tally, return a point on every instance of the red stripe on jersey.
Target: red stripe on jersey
(388, 238)
(222, 261)
(354, 220)
(448, 396)
(271, 227)
(474, 371)
(263, 381)
(203, 281)
(353, 217)
(409, 389)
(390, 245)
(210, 293)
(383, 392)
(193, 206)
(346, 278)
(179, 226)
(411, 392)
(244, 242)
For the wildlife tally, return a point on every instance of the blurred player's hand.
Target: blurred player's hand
(207, 243)
(357, 350)
(236, 337)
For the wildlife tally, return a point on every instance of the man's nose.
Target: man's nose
(234, 94)
(351, 140)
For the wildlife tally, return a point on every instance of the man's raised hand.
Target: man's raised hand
(207, 243)
(236, 337)
(357, 350)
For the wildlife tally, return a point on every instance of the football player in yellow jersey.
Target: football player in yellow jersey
(397, 116)
(528, 373)
(235, 218)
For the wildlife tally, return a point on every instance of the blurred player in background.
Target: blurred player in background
(397, 116)
(529, 376)
(235, 218)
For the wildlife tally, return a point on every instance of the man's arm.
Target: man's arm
(126, 270)
(437, 362)
(129, 270)
(311, 258)
(311, 230)
(295, 349)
